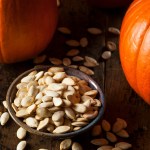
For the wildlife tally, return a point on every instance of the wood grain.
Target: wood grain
(121, 100)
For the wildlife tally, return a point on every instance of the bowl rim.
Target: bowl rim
(82, 75)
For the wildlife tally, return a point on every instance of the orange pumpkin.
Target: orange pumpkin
(135, 47)
(26, 28)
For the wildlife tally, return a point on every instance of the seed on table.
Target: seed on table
(111, 45)
(99, 142)
(86, 70)
(84, 42)
(96, 130)
(105, 147)
(116, 148)
(21, 133)
(106, 125)
(118, 126)
(123, 133)
(64, 30)
(73, 43)
(39, 59)
(77, 58)
(123, 145)
(73, 52)
(76, 146)
(89, 64)
(91, 60)
(61, 129)
(21, 145)
(123, 122)
(55, 61)
(111, 137)
(5, 104)
(114, 30)
(4, 118)
(65, 144)
(106, 54)
(66, 61)
(94, 31)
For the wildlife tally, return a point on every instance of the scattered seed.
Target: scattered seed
(99, 142)
(21, 133)
(111, 137)
(77, 58)
(73, 66)
(106, 125)
(76, 146)
(117, 126)
(21, 145)
(94, 31)
(64, 30)
(105, 147)
(66, 61)
(123, 145)
(96, 130)
(55, 61)
(84, 42)
(5, 104)
(114, 30)
(106, 54)
(123, 122)
(86, 70)
(65, 144)
(73, 52)
(111, 46)
(4, 118)
(123, 133)
(73, 43)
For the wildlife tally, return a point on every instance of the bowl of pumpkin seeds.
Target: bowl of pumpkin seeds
(55, 101)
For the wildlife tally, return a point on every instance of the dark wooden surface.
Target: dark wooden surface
(121, 100)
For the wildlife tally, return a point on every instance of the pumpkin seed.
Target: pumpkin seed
(66, 61)
(70, 113)
(86, 70)
(56, 69)
(68, 81)
(73, 66)
(111, 137)
(57, 101)
(57, 86)
(59, 76)
(123, 122)
(22, 113)
(77, 58)
(50, 128)
(117, 126)
(61, 129)
(57, 115)
(64, 30)
(106, 125)
(106, 54)
(43, 112)
(111, 46)
(21, 133)
(39, 75)
(94, 31)
(73, 52)
(123, 133)
(90, 114)
(84, 42)
(43, 123)
(4, 118)
(123, 145)
(116, 148)
(65, 144)
(55, 61)
(80, 108)
(45, 104)
(91, 60)
(28, 79)
(73, 43)
(31, 109)
(79, 123)
(31, 122)
(5, 104)
(51, 93)
(105, 147)
(96, 130)
(99, 142)
(21, 145)
(114, 30)
(76, 146)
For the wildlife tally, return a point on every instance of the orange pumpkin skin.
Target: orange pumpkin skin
(135, 47)
(26, 28)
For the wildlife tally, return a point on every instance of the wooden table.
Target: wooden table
(121, 100)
